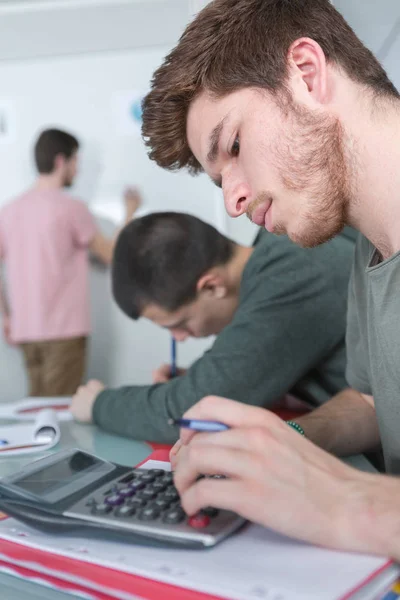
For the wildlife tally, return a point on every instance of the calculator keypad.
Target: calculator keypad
(148, 498)
(146, 494)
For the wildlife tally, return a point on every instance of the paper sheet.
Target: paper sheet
(254, 564)
(28, 408)
(26, 438)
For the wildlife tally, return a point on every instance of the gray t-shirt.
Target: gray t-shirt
(373, 341)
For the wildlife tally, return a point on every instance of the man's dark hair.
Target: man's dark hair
(159, 259)
(235, 44)
(50, 143)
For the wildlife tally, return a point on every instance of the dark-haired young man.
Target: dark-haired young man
(286, 109)
(278, 313)
(45, 235)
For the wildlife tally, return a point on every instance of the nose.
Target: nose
(237, 199)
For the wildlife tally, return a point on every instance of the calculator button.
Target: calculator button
(127, 492)
(199, 521)
(174, 515)
(114, 500)
(161, 503)
(111, 490)
(101, 509)
(149, 513)
(210, 511)
(148, 477)
(147, 494)
(171, 493)
(157, 472)
(158, 485)
(91, 502)
(128, 478)
(166, 478)
(135, 501)
(125, 511)
(137, 485)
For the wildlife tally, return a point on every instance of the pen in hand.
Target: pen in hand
(174, 370)
(199, 425)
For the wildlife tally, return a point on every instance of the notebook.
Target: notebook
(25, 438)
(254, 564)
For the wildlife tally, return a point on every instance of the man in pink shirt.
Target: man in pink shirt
(45, 238)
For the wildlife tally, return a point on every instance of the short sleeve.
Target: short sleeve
(358, 368)
(83, 224)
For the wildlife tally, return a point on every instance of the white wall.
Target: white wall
(378, 25)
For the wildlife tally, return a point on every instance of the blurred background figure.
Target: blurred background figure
(45, 239)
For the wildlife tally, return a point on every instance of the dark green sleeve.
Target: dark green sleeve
(290, 317)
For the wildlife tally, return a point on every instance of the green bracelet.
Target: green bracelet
(296, 426)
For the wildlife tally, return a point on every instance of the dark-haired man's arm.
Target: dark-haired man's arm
(291, 318)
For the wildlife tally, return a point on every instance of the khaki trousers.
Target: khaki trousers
(56, 367)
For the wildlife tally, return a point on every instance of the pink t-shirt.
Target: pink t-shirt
(44, 238)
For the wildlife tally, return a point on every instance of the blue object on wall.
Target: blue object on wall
(136, 111)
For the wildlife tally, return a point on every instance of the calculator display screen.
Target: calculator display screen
(62, 472)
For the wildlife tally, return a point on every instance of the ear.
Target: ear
(212, 283)
(59, 161)
(308, 72)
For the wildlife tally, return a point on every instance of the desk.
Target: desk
(93, 440)
(110, 447)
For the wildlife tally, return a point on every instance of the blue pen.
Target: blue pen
(174, 370)
(199, 425)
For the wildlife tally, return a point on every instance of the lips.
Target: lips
(259, 213)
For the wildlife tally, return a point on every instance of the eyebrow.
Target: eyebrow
(214, 141)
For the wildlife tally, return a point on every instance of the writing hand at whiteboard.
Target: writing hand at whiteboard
(133, 201)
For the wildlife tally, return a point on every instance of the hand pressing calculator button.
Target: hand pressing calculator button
(74, 492)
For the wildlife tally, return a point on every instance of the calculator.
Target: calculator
(75, 493)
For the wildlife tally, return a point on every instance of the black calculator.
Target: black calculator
(75, 493)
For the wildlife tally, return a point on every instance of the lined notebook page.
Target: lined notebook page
(254, 564)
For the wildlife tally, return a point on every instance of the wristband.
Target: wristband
(296, 426)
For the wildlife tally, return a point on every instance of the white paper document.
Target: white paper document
(26, 438)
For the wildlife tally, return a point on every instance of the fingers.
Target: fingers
(162, 374)
(206, 460)
(173, 455)
(234, 414)
(221, 493)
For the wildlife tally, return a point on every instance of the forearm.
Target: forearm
(343, 426)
